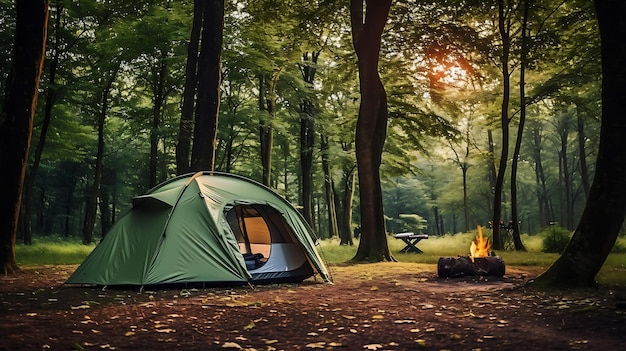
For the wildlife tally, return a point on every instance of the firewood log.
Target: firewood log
(449, 267)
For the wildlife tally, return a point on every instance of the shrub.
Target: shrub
(555, 239)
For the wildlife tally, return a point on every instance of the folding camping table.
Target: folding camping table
(411, 239)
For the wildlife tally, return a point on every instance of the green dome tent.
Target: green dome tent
(205, 228)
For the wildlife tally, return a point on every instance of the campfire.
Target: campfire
(480, 246)
(478, 262)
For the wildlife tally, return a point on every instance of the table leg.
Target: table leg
(411, 246)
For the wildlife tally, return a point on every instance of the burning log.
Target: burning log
(449, 267)
(477, 263)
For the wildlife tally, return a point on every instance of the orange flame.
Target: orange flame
(480, 246)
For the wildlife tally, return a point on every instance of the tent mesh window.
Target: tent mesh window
(256, 227)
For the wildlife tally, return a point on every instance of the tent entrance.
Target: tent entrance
(257, 229)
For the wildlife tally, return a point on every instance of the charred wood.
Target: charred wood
(449, 267)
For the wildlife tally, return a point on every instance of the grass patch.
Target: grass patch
(60, 250)
(442, 246)
(335, 253)
(52, 250)
(612, 273)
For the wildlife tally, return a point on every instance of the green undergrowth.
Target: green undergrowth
(441, 246)
(59, 250)
(52, 250)
(612, 273)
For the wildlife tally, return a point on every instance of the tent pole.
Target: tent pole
(244, 230)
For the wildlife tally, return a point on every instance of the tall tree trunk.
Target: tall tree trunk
(504, 29)
(466, 216)
(565, 177)
(584, 171)
(284, 147)
(438, 221)
(16, 119)
(159, 95)
(605, 209)
(51, 93)
(267, 102)
(183, 146)
(209, 79)
(438, 229)
(345, 223)
(307, 142)
(67, 226)
(543, 201)
(266, 133)
(491, 157)
(461, 161)
(308, 68)
(517, 241)
(113, 205)
(329, 189)
(371, 129)
(228, 149)
(105, 211)
(93, 191)
(454, 230)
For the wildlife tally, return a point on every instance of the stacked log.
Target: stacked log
(449, 267)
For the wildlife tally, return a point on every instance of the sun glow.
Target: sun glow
(450, 73)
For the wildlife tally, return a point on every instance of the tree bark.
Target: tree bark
(345, 222)
(105, 211)
(517, 241)
(67, 225)
(158, 96)
(504, 28)
(183, 147)
(584, 170)
(266, 133)
(307, 135)
(16, 119)
(329, 189)
(605, 209)
(543, 201)
(371, 129)
(491, 157)
(51, 93)
(267, 102)
(438, 221)
(436, 227)
(466, 216)
(209, 79)
(93, 191)
(462, 163)
(565, 178)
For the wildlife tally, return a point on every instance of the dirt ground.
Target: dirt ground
(384, 306)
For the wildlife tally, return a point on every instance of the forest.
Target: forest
(492, 109)
(372, 117)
